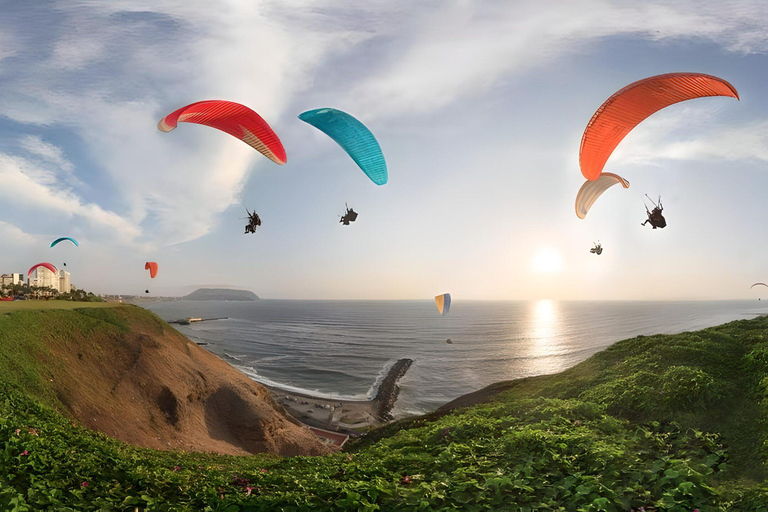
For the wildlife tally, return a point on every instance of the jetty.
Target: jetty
(389, 390)
(189, 320)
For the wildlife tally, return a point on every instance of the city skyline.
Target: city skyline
(42, 277)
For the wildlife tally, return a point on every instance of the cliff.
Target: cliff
(126, 373)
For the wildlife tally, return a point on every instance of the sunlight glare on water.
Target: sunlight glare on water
(545, 330)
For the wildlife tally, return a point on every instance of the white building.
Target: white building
(11, 279)
(64, 285)
(44, 278)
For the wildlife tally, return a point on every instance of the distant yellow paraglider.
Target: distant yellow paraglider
(443, 303)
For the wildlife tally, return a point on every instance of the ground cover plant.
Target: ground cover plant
(674, 422)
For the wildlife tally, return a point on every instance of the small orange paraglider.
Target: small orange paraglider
(152, 267)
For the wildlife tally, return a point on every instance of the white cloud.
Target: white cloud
(46, 151)
(692, 133)
(743, 143)
(51, 166)
(7, 45)
(13, 236)
(112, 69)
(467, 46)
(77, 52)
(25, 185)
(132, 73)
(746, 142)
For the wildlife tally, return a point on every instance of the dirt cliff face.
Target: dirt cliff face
(150, 386)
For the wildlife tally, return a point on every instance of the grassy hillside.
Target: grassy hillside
(676, 422)
(26, 360)
(39, 305)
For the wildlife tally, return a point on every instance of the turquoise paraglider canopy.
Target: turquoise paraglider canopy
(58, 240)
(353, 137)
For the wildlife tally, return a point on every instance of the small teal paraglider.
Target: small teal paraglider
(58, 240)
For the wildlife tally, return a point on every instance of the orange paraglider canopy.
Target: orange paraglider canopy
(152, 267)
(631, 105)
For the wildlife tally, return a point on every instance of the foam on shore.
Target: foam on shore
(252, 373)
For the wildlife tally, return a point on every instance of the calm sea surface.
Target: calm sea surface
(341, 348)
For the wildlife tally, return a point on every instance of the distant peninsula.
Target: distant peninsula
(220, 294)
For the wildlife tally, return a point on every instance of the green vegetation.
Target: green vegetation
(676, 422)
(27, 330)
(78, 295)
(30, 304)
(37, 292)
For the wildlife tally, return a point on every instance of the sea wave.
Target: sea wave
(374, 389)
(253, 374)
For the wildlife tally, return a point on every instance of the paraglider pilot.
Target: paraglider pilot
(597, 249)
(655, 217)
(349, 216)
(253, 222)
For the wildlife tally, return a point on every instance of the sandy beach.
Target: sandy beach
(347, 416)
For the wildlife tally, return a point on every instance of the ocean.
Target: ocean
(343, 348)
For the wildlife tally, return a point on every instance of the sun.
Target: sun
(547, 261)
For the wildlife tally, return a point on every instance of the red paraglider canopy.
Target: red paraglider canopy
(46, 265)
(233, 118)
(631, 105)
(152, 267)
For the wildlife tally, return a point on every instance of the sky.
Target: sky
(479, 107)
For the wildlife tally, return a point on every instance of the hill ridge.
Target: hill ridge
(221, 294)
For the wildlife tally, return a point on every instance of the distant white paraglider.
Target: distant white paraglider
(591, 190)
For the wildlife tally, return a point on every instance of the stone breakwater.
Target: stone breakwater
(389, 390)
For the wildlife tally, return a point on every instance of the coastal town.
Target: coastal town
(40, 283)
